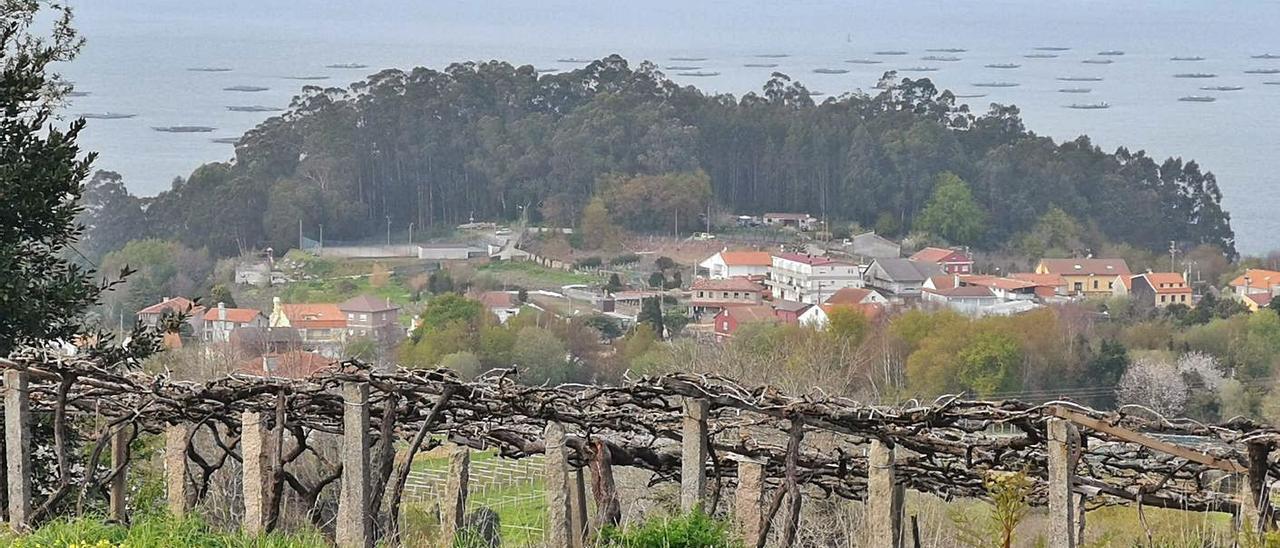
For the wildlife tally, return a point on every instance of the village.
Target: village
(713, 287)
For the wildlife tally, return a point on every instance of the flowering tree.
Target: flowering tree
(1155, 384)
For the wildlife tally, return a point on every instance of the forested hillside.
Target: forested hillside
(489, 139)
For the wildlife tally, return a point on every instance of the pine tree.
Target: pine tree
(651, 315)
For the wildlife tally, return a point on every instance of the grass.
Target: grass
(158, 530)
(533, 275)
(521, 508)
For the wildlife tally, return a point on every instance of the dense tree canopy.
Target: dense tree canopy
(494, 140)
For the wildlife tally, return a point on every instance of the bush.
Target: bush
(157, 530)
(625, 258)
(694, 530)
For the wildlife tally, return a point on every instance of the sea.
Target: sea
(139, 57)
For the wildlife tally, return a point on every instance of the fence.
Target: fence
(707, 433)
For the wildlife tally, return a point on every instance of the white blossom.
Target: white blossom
(1155, 384)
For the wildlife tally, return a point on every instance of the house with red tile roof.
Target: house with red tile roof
(151, 315)
(220, 321)
(1161, 289)
(819, 316)
(1255, 280)
(736, 264)
(711, 296)
(1087, 277)
(321, 326)
(732, 318)
(952, 261)
(502, 304)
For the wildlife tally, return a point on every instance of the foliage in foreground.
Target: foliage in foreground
(693, 530)
(159, 530)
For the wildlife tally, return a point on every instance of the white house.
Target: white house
(220, 321)
(736, 264)
(799, 221)
(950, 292)
(809, 279)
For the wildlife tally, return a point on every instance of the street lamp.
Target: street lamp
(410, 233)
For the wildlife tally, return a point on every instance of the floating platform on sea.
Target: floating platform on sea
(1041, 56)
(1263, 71)
(1222, 88)
(691, 59)
(890, 52)
(107, 115)
(863, 61)
(1111, 53)
(698, 74)
(1079, 79)
(209, 69)
(1187, 58)
(185, 129)
(1076, 90)
(946, 50)
(1097, 61)
(942, 58)
(830, 71)
(918, 69)
(246, 89)
(1195, 75)
(1003, 65)
(760, 65)
(253, 108)
(1198, 99)
(346, 66)
(996, 85)
(1088, 106)
(309, 78)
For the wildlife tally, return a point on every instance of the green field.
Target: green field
(533, 275)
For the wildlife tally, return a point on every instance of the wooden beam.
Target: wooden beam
(1148, 441)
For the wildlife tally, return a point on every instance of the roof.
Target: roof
(1261, 299)
(497, 299)
(964, 291)
(848, 295)
(906, 270)
(1007, 284)
(1085, 267)
(1040, 280)
(941, 281)
(1175, 281)
(1258, 277)
(811, 260)
(294, 365)
(752, 313)
(367, 303)
(869, 310)
(250, 337)
(174, 304)
(727, 284)
(746, 258)
(790, 306)
(314, 316)
(235, 315)
(939, 254)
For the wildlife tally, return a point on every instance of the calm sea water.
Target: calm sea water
(139, 51)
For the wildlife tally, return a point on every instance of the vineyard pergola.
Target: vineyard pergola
(773, 450)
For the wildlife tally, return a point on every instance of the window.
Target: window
(1079, 286)
(1184, 298)
(1095, 284)
(364, 317)
(1162, 298)
(1111, 285)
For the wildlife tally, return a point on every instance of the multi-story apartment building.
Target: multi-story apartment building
(809, 279)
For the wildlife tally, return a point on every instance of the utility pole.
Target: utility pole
(388, 230)
(300, 244)
(1173, 250)
(410, 233)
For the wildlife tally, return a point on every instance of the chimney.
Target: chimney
(955, 280)
(222, 312)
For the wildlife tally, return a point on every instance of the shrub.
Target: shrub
(588, 263)
(156, 530)
(625, 258)
(693, 530)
